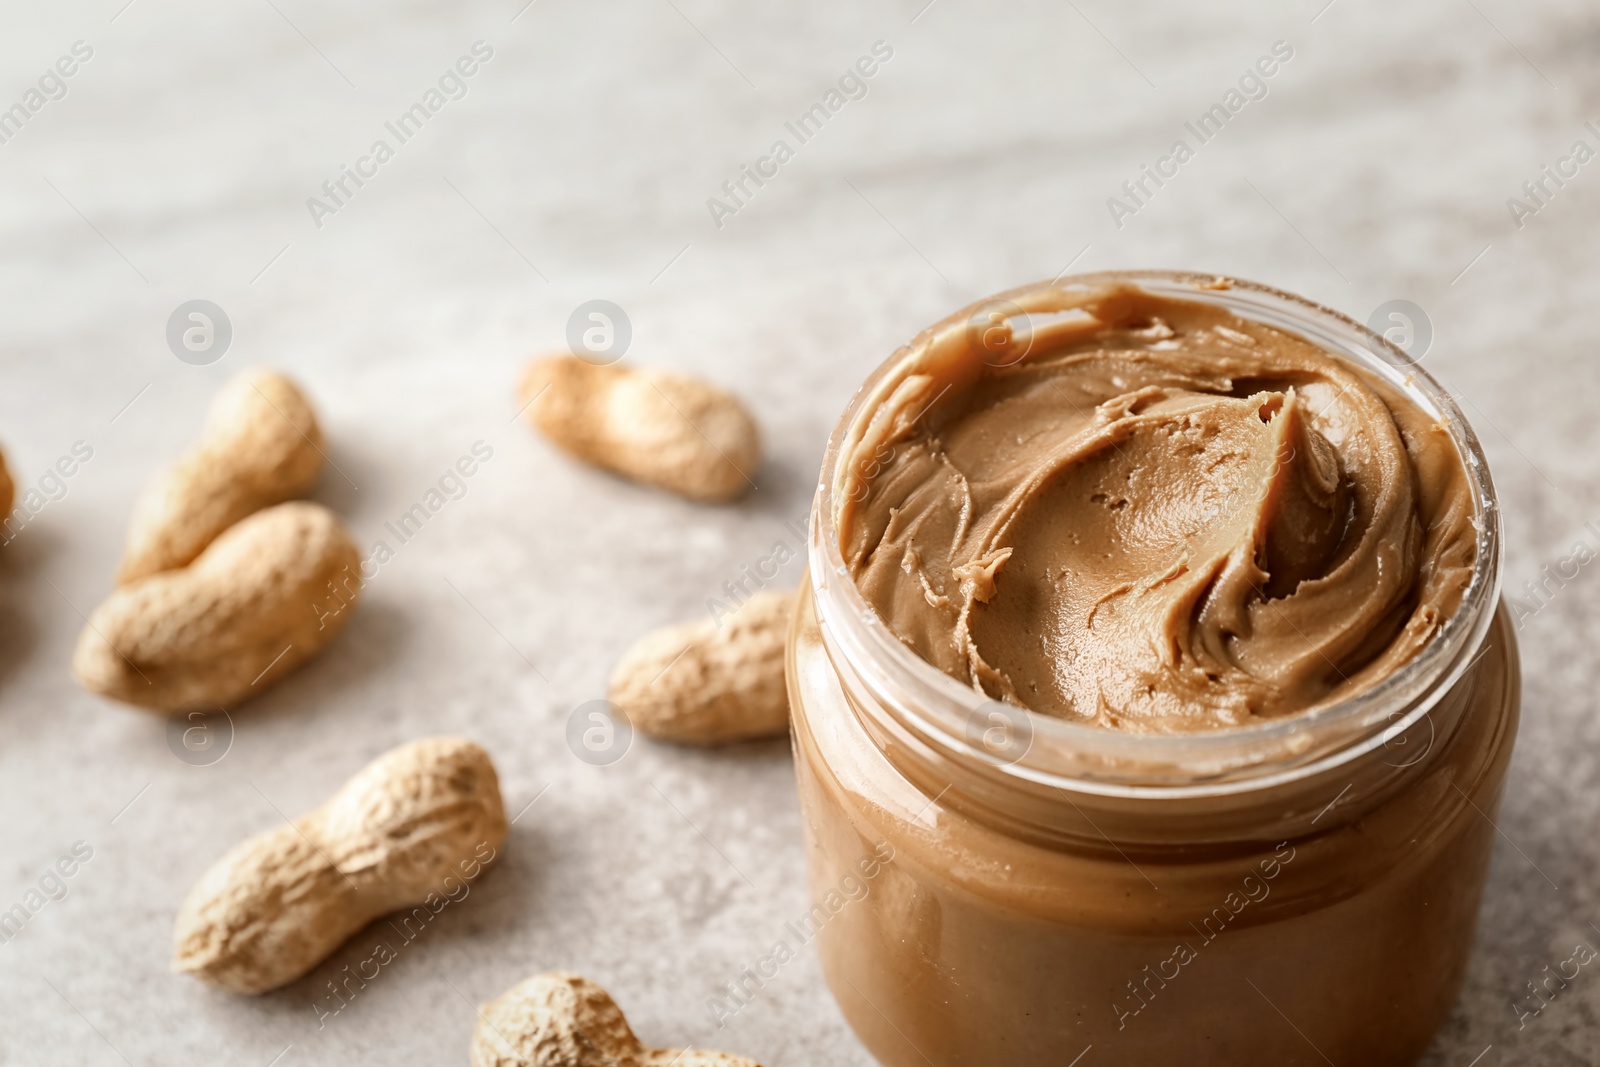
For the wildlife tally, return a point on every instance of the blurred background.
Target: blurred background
(1392, 166)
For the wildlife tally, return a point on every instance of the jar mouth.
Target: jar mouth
(940, 710)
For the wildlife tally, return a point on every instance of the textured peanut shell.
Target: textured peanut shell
(701, 684)
(565, 1020)
(259, 601)
(401, 829)
(261, 446)
(655, 427)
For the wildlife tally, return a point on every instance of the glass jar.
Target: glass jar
(1002, 889)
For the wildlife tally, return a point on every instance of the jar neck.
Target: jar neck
(1276, 802)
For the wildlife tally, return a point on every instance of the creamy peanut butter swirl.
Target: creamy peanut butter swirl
(1150, 514)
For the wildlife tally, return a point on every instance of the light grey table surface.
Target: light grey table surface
(578, 166)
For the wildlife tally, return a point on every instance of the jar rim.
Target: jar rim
(941, 710)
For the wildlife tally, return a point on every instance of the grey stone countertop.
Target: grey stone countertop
(1378, 163)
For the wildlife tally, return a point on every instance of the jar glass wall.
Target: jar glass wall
(1300, 891)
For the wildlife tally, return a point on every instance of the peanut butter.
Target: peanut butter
(1164, 507)
(1149, 514)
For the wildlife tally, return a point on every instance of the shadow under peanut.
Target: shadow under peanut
(375, 640)
(22, 564)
